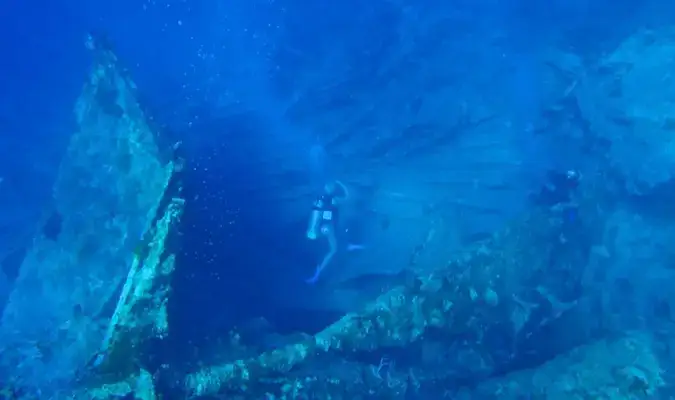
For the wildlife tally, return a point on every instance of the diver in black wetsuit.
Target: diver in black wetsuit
(323, 221)
(558, 195)
(558, 189)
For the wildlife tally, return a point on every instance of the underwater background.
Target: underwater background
(451, 124)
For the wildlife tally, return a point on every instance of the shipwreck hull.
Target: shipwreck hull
(105, 283)
(443, 330)
(82, 279)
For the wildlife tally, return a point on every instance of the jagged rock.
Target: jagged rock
(109, 188)
(624, 368)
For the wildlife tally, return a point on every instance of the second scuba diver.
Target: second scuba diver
(324, 219)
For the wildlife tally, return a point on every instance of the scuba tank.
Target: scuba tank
(315, 219)
(324, 209)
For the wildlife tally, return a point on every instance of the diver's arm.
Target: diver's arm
(313, 224)
(344, 189)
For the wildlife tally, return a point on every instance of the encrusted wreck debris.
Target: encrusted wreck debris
(98, 284)
(626, 100)
(453, 324)
(139, 385)
(141, 313)
(106, 275)
(623, 368)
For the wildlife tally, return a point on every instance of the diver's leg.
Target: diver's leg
(332, 243)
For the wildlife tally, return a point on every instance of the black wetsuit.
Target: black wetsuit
(326, 205)
(559, 189)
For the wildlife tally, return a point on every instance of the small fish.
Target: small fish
(376, 282)
(354, 247)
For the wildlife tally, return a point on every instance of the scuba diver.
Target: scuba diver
(558, 188)
(324, 219)
(558, 194)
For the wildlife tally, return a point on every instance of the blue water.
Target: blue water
(254, 91)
